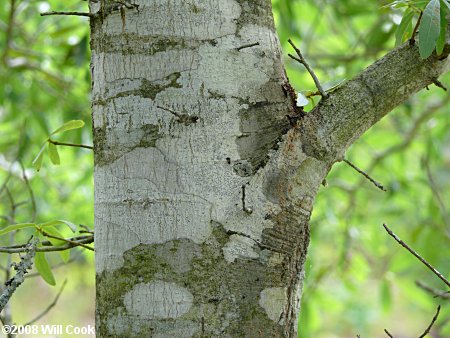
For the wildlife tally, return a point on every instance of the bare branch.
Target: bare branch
(375, 183)
(436, 193)
(428, 265)
(68, 13)
(49, 307)
(30, 191)
(388, 333)
(435, 292)
(302, 60)
(427, 330)
(248, 46)
(73, 242)
(439, 84)
(413, 35)
(371, 95)
(56, 143)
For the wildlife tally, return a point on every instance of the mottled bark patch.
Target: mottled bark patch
(262, 125)
(144, 264)
(158, 300)
(109, 146)
(255, 12)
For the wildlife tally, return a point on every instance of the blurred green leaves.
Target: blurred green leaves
(45, 82)
(50, 144)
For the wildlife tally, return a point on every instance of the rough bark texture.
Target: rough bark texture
(203, 189)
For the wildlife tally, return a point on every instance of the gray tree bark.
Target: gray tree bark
(203, 188)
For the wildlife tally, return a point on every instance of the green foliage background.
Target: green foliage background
(45, 81)
(358, 280)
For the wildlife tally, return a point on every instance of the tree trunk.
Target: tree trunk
(203, 188)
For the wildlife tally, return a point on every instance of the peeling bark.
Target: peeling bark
(203, 190)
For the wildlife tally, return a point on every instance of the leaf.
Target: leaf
(65, 254)
(73, 124)
(404, 27)
(429, 28)
(440, 44)
(37, 162)
(53, 153)
(54, 232)
(72, 226)
(13, 227)
(385, 295)
(301, 100)
(42, 266)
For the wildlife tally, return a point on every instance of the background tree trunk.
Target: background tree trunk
(203, 190)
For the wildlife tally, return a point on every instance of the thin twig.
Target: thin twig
(49, 307)
(68, 245)
(375, 183)
(86, 230)
(56, 143)
(439, 84)
(436, 193)
(68, 241)
(412, 40)
(427, 330)
(435, 292)
(13, 205)
(30, 191)
(428, 265)
(388, 333)
(248, 46)
(9, 30)
(302, 60)
(68, 13)
(170, 111)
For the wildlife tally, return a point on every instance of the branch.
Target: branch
(71, 243)
(302, 60)
(436, 193)
(30, 191)
(352, 108)
(428, 265)
(433, 291)
(56, 143)
(375, 183)
(248, 46)
(68, 13)
(26, 262)
(49, 307)
(388, 333)
(431, 324)
(75, 243)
